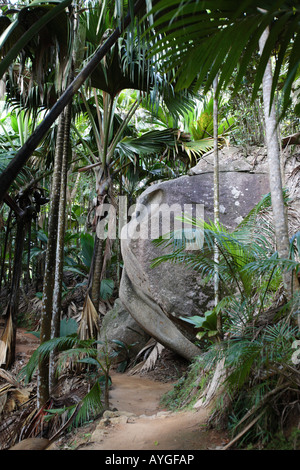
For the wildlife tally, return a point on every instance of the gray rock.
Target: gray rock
(156, 298)
(118, 324)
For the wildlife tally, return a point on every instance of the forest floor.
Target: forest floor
(139, 421)
(142, 424)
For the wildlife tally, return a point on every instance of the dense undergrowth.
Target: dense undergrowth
(249, 369)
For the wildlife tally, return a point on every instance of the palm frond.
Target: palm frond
(85, 410)
(201, 39)
(239, 360)
(44, 350)
(29, 34)
(91, 405)
(152, 142)
(89, 320)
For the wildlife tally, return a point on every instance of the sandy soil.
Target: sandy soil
(152, 427)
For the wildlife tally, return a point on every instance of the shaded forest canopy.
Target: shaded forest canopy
(100, 101)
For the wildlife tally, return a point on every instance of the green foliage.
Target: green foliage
(87, 248)
(192, 42)
(71, 348)
(50, 12)
(91, 352)
(67, 327)
(257, 335)
(106, 288)
(90, 406)
(203, 126)
(285, 442)
(211, 38)
(187, 388)
(208, 323)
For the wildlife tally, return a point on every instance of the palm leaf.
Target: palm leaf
(198, 147)
(204, 38)
(152, 142)
(30, 33)
(45, 349)
(91, 405)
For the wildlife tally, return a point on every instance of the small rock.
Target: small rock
(163, 414)
(98, 435)
(108, 414)
(103, 423)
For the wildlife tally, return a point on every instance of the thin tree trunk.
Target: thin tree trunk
(49, 275)
(57, 292)
(216, 201)
(28, 255)
(279, 210)
(5, 246)
(97, 270)
(15, 287)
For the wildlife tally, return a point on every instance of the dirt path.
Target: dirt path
(140, 422)
(151, 427)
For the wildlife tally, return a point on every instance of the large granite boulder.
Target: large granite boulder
(119, 325)
(157, 298)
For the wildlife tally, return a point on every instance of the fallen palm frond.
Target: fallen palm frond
(153, 357)
(214, 387)
(4, 374)
(89, 325)
(6, 339)
(14, 400)
(15, 424)
(150, 353)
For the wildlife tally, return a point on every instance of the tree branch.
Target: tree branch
(10, 173)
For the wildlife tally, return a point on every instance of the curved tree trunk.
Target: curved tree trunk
(275, 177)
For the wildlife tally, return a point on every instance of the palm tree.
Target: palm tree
(125, 68)
(24, 208)
(10, 173)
